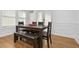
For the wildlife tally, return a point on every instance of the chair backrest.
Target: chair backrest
(40, 23)
(20, 23)
(49, 28)
(20, 29)
(34, 23)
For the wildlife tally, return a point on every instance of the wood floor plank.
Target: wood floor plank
(58, 42)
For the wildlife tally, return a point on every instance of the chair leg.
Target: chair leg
(50, 40)
(48, 43)
(20, 38)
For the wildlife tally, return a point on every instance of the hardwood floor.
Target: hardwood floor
(58, 42)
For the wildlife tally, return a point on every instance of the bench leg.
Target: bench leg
(20, 38)
(15, 37)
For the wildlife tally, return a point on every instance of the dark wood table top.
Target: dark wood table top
(33, 27)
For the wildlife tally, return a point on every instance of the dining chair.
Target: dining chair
(21, 24)
(47, 35)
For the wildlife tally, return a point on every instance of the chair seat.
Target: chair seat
(27, 35)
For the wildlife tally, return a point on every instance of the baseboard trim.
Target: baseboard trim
(6, 34)
(77, 39)
(67, 36)
(72, 37)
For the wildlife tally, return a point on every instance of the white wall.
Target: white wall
(76, 28)
(66, 23)
(63, 22)
(6, 30)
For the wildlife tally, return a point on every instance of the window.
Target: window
(44, 17)
(47, 18)
(8, 18)
(7, 21)
(21, 16)
(32, 17)
(40, 17)
(8, 13)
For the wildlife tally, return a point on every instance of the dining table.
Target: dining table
(38, 29)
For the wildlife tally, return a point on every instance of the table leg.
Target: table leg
(40, 43)
(40, 40)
